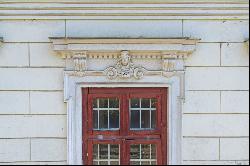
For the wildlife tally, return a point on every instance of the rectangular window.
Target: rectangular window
(125, 126)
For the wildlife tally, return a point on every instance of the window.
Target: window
(124, 126)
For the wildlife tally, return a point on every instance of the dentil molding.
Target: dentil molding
(171, 53)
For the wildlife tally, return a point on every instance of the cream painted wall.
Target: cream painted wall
(33, 115)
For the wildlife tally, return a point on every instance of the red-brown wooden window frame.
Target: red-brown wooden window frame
(125, 136)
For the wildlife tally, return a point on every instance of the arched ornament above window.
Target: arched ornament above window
(110, 63)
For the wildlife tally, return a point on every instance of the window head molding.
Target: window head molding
(110, 63)
(172, 53)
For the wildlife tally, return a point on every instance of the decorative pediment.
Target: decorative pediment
(79, 53)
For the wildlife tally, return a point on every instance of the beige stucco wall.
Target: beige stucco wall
(33, 114)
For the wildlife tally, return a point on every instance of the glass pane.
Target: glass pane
(104, 163)
(145, 163)
(153, 151)
(106, 115)
(135, 152)
(103, 103)
(114, 103)
(106, 154)
(153, 163)
(95, 119)
(95, 103)
(114, 151)
(114, 163)
(145, 103)
(145, 114)
(103, 151)
(95, 163)
(145, 150)
(153, 103)
(95, 152)
(103, 119)
(153, 117)
(145, 119)
(135, 119)
(135, 103)
(143, 154)
(135, 163)
(114, 119)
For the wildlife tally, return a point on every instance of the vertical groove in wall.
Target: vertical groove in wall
(182, 23)
(220, 54)
(65, 28)
(219, 149)
(29, 53)
(30, 149)
(220, 101)
(29, 103)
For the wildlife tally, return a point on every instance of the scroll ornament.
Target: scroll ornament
(125, 68)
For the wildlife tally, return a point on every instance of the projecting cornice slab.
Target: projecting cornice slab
(170, 53)
(124, 9)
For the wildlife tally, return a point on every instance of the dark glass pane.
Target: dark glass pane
(114, 152)
(95, 119)
(145, 163)
(145, 151)
(135, 119)
(153, 163)
(153, 103)
(103, 103)
(103, 119)
(114, 119)
(153, 152)
(114, 163)
(114, 103)
(95, 151)
(95, 163)
(135, 103)
(95, 103)
(145, 119)
(103, 151)
(104, 163)
(135, 163)
(145, 103)
(153, 117)
(135, 152)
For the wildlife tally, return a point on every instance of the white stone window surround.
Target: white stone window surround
(171, 54)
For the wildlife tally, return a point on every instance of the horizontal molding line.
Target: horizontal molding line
(216, 160)
(215, 137)
(129, 1)
(220, 113)
(32, 67)
(33, 138)
(31, 90)
(16, 162)
(121, 10)
(218, 90)
(33, 114)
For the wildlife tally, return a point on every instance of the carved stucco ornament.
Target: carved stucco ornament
(124, 68)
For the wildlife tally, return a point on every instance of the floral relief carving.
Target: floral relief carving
(125, 68)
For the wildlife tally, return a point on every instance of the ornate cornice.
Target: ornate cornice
(171, 54)
(124, 9)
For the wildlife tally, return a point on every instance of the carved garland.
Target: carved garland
(125, 68)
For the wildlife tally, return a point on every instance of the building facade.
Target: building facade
(124, 82)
